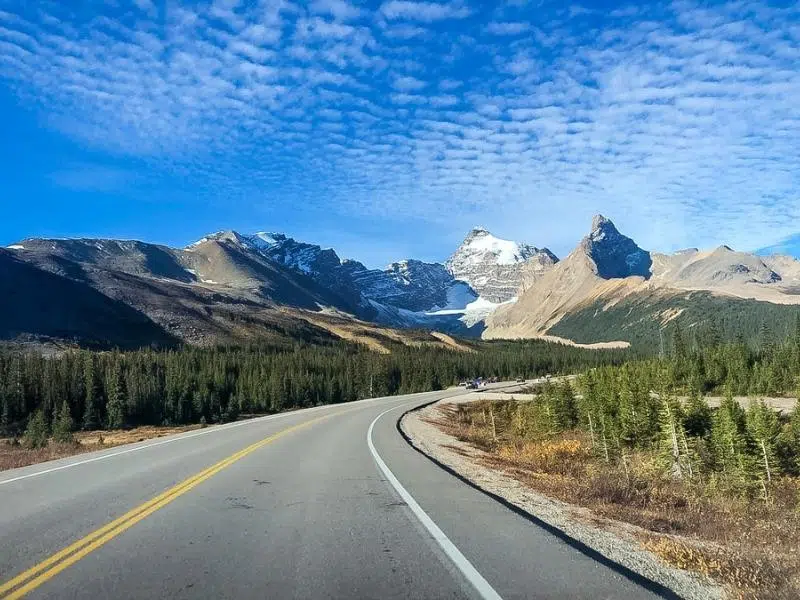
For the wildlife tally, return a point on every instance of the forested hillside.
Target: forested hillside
(90, 390)
(706, 319)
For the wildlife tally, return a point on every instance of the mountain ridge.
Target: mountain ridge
(488, 287)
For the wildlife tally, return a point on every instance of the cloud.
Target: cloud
(146, 6)
(338, 9)
(404, 31)
(426, 12)
(450, 84)
(679, 120)
(408, 84)
(506, 28)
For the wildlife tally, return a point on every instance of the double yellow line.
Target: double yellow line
(52, 566)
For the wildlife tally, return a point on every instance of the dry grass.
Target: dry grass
(751, 547)
(451, 342)
(15, 455)
(376, 338)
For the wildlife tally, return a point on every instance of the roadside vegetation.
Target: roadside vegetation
(718, 489)
(45, 400)
(30, 450)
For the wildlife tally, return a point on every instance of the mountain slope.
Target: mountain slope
(127, 256)
(227, 262)
(37, 304)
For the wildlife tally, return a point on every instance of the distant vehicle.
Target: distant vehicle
(472, 385)
(520, 380)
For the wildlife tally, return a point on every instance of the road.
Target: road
(329, 502)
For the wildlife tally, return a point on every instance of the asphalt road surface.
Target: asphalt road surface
(329, 502)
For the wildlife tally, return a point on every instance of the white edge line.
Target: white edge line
(187, 436)
(483, 587)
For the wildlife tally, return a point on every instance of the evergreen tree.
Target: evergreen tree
(675, 449)
(5, 410)
(63, 425)
(730, 444)
(764, 428)
(115, 408)
(564, 405)
(91, 418)
(37, 431)
(698, 418)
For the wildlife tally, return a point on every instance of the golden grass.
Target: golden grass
(449, 341)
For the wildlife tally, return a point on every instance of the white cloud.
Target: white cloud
(88, 177)
(426, 12)
(507, 28)
(339, 9)
(408, 84)
(146, 6)
(445, 100)
(450, 84)
(404, 31)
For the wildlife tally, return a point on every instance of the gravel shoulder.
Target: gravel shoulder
(616, 541)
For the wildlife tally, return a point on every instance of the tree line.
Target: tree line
(82, 389)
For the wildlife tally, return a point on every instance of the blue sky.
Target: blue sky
(387, 129)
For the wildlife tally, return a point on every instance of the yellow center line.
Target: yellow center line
(53, 565)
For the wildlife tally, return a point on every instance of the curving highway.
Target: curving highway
(330, 502)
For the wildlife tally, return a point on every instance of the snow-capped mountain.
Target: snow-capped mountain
(493, 267)
(411, 286)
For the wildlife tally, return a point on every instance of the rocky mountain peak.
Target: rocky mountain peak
(490, 265)
(614, 254)
(599, 221)
(476, 232)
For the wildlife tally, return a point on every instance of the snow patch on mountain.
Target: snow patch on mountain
(459, 296)
(494, 267)
(505, 252)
